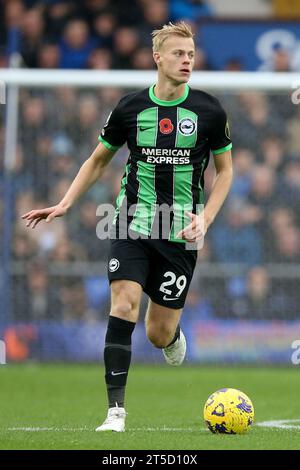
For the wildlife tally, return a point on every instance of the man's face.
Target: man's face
(176, 58)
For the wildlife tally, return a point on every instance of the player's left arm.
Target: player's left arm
(220, 145)
(220, 188)
(199, 225)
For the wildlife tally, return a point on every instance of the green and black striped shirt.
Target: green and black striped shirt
(170, 144)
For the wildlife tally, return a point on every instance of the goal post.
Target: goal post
(133, 79)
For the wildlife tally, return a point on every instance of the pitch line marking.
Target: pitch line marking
(67, 429)
(280, 424)
(277, 424)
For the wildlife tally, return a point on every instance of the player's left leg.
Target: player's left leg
(171, 268)
(163, 330)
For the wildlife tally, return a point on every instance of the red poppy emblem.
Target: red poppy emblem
(166, 126)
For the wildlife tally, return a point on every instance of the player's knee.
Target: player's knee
(160, 338)
(122, 309)
(124, 306)
(124, 303)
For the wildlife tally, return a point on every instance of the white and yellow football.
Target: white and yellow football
(228, 411)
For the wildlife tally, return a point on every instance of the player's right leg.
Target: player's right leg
(125, 303)
(167, 287)
(164, 332)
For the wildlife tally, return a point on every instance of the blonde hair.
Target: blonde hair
(160, 35)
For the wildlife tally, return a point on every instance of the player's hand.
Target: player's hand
(35, 216)
(196, 230)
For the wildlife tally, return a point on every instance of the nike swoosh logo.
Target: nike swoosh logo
(168, 298)
(118, 373)
(142, 129)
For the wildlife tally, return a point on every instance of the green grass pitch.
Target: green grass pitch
(54, 406)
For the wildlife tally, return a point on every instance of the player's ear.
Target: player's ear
(156, 57)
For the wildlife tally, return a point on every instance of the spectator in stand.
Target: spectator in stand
(42, 295)
(23, 248)
(198, 301)
(3, 58)
(234, 239)
(292, 127)
(21, 201)
(108, 97)
(74, 301)
(205, 252)
(33, 35)
(22, 180)
(281, 60)
(33, 126)
(129, 12)
(281, 218)
(63, 164)
(76, 45)
(126, 42)
(89, 9)
(287, 246)
(201, 60)
(100, 59)
(156, 13)
(272, 152)
(235, 64)
(58, 187)
(97, 294)
(57, 14)
(104, 26)
(79, 124)
(254, 119)
(88, 122)
(289, 189)
(45, 237)
(85, 232)
(19, 299)
(263, 188)
(244, 160)
(36, 297)
(23, 251)
(64, 253)
(66, 99)
(143, 59)
(262, 198)
(261, 300)
(67, 251)
(200, 297)
(48, 56)
(14, 12)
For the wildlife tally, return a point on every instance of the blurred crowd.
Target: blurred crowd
(103, 34)
(91, 34)
(258, 227)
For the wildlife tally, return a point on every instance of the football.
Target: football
(228, 411)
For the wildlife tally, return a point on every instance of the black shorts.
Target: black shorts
(164, 269)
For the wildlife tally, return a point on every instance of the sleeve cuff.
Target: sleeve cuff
(108, 145)
(222, 150)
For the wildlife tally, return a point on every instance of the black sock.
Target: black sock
(117, 356)
(176, 336)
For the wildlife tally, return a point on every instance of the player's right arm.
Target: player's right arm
(91, 170)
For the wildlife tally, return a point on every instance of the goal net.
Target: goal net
(243, 303)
